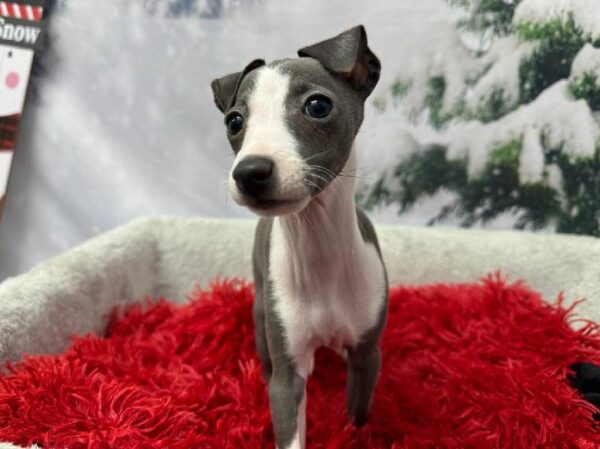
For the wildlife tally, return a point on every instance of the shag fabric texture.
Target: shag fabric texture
(480, 366)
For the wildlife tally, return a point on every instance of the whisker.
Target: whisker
(312, 184)
(310, 157)
(325, 169)
(320, 177)
(335, 187)
(356, 177)
(327, 175)
(333, 175)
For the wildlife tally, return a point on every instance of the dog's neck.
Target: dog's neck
(323, 236)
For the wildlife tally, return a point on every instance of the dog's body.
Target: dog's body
(320, 279)
(325, 288)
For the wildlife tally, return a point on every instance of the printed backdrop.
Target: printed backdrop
(484, 116)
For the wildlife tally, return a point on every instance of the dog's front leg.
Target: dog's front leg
(363, 363)
(287, 398)
(260, 331)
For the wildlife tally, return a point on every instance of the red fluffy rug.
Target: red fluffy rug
(464, 366)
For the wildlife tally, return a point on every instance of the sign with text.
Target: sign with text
(20, 30)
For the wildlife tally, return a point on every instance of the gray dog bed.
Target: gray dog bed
(151, 257)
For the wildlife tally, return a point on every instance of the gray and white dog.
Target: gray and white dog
(320, 279)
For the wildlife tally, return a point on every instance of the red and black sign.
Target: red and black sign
(20, 24)
(20, 30)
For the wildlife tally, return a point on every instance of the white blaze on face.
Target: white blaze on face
(15, 65)
(266, 135)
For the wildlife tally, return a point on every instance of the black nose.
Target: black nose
(252, 174)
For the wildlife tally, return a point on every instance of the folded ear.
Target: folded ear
(348, 56)
(225, 89)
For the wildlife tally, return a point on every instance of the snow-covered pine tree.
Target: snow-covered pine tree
(518, 111)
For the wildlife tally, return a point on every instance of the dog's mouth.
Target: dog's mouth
(277, 206)
(273, 200)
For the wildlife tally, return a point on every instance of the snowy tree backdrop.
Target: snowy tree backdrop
(484, 115)
(517, 102)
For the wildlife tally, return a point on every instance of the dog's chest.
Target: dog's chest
(325, 301)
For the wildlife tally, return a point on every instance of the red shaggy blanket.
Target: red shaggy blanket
(464, 366)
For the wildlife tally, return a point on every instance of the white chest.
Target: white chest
(325, 296)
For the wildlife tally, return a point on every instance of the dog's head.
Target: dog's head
(292, 123)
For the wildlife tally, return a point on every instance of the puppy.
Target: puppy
(320, 279)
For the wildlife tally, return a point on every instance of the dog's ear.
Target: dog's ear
(225, 89)
(348, 56)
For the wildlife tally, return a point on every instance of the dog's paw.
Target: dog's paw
(359, 422)
(360, 419)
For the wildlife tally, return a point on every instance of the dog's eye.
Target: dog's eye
(318, 106)
(235, 123)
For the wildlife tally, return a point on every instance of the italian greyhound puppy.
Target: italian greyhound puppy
(319, 276)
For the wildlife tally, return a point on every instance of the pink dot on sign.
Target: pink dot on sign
(12, 80)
